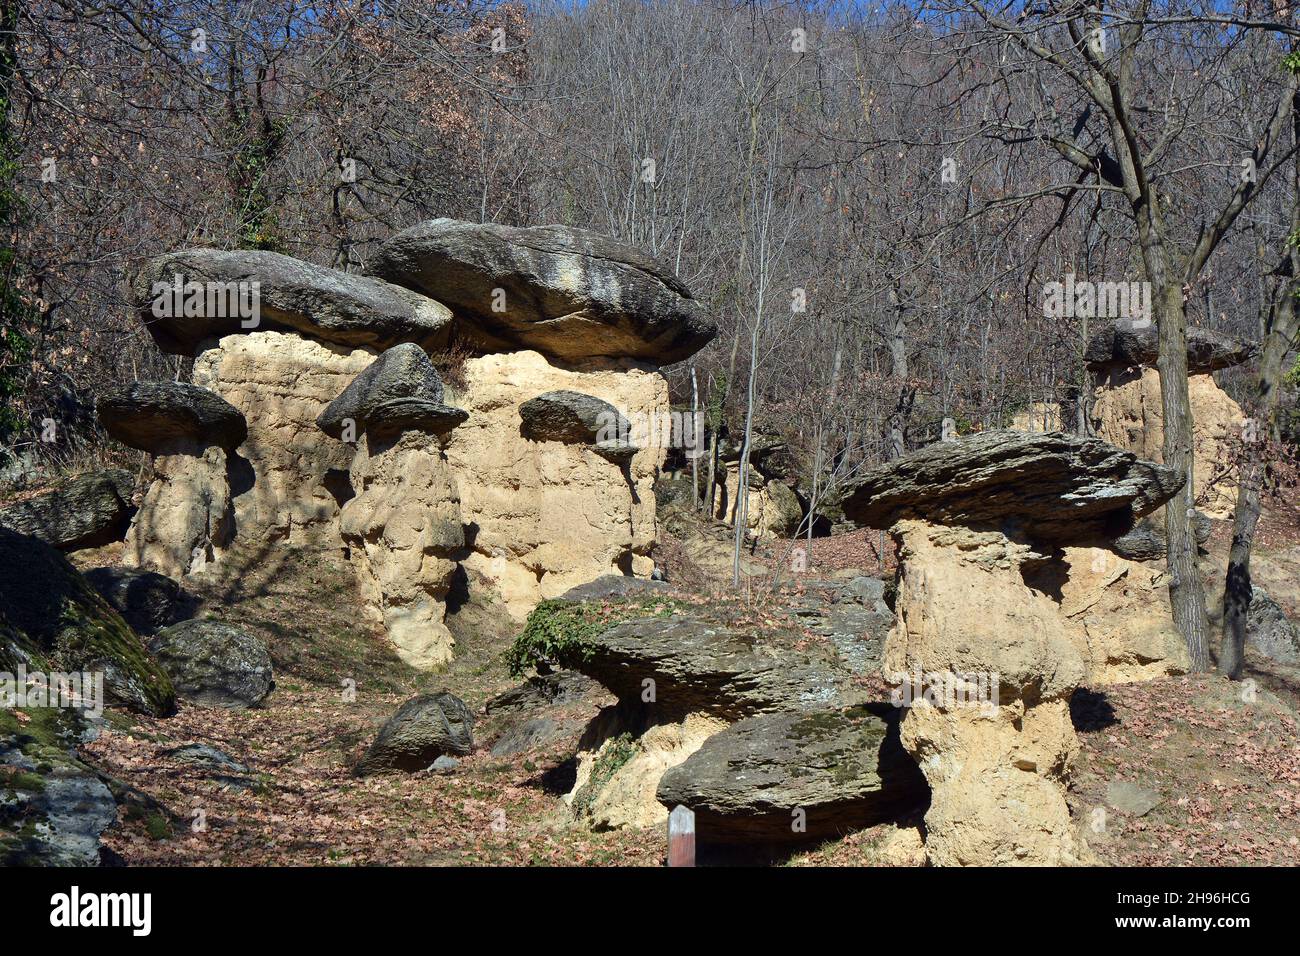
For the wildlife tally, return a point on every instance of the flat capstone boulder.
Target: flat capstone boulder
(157, 417)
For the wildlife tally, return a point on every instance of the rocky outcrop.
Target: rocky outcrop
(545, 709)
(1051, 486)
(1128, 345)
(87, 512)
(1127, 411)
(568, 293)
(169, 417)
(53, 807)
(988, 665)
(215, 664)
(423, 729)
(1009, 597)
(700, 667)
(1146, 540)
(320, 303)
(146, 600)
(291, 476)
(544, 516)
(789, 778)
(56, 621)
(577, 419)
(1120, 612)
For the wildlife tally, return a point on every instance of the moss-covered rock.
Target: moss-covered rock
(49, 611)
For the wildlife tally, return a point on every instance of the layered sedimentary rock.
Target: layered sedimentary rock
(544, 516)
(1127, 410)
(290, 476)
(1006, 603)
(568, 293)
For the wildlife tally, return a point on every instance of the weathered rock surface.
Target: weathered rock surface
(404, 535)
(87, 512)
(989, 664)
(291, 475)
(543, 710)
(53, 808)
(321, 303)
(1120, 612)
(59, 620)
(1146, 541)
(404, 371)
(571, 417)
(699, 667)
(1053, 486)
(389, 419)
(541, 518)
(214, 664)
(423, 729)
(187, 518)
(1125, 345)
(146, 600)
(1271, 632)
(613, 587)
(166, 417)
(568, 293)
(1127, 411)
(844, 769)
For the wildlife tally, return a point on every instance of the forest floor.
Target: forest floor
(1218, 763)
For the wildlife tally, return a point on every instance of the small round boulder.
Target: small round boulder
(423, 729)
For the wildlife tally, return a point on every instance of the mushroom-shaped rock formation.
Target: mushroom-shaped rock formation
(192, 295)
(1052, 486)
(568, 293)
(1128, 344)
(1009, 596)
(403, 527)
(187, 517)
(163, 417)
(1127, 409)
(404, 371)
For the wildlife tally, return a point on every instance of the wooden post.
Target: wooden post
(681, 837)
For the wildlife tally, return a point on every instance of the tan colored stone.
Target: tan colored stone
(1120, 612)
(542, 517)
(282, 382)
(773, 511)
(1127, 412)
(403, 533)
(186, 519)
(996, 773)
(1038, 417)
(628, 799)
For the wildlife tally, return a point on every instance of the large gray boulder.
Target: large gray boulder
(423, 729)
(568, 293)
(323, 304)
(1125, 345)
(214, 664)
(700, 666)
(794, 777)
(576, 418)
(87, 512)
(147, 600)
(542, 711)
(1271, 632)
(402, 372)
(1050, 487)
(161, 417)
